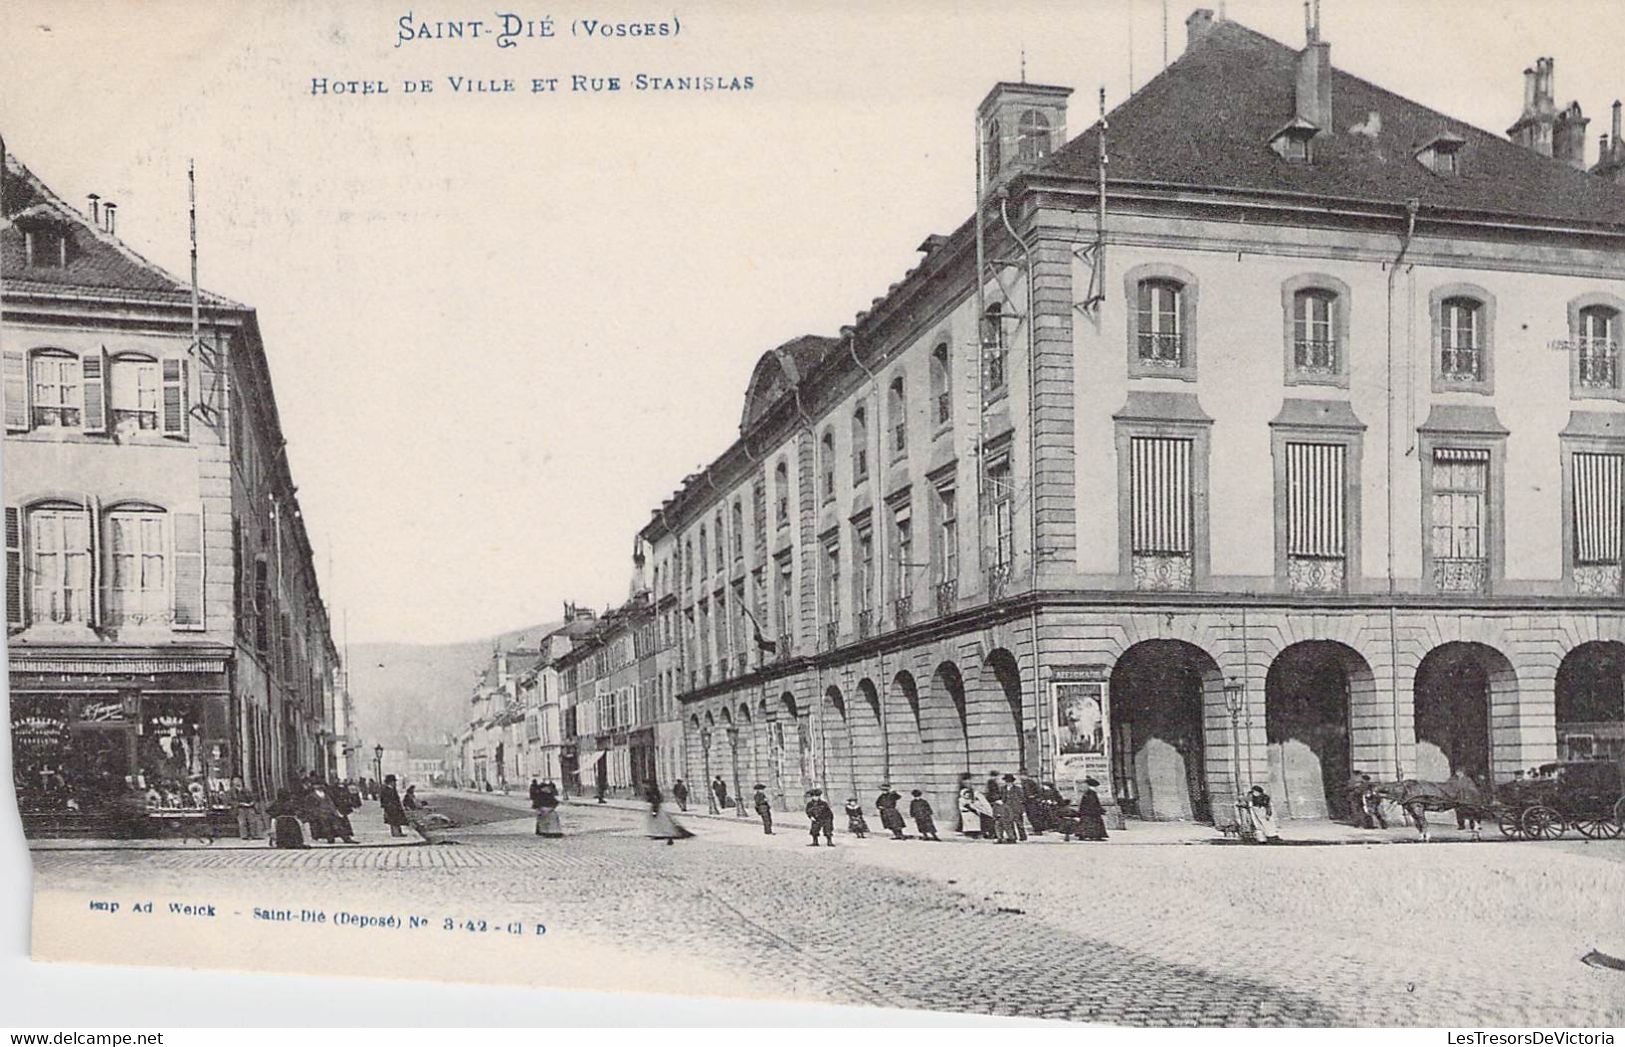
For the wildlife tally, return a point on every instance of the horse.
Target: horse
(1418, 797)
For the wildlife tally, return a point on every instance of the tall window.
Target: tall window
(1032, 136)
(688, 563)
(991, 148)
(945, 551)
(57, 400)
(1001, 502)
(1161, 330)
(942, 396)
(739, 530)
(1461, 339)
(719, 540)
(704, 564)
(781, 494)
(826, 465)
(1316, 517)
(995, 352)
(1460, 519)
(829, 582)
(1162, 534)
(902, 555)
(897, 408)
(137, 589)
(860, 445)
(59, 563)
(1314, 331)
(863, 582)
(787, 601)
(134, 394)
(1598, 347)
(1599, 519)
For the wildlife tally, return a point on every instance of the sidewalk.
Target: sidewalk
(367, 821)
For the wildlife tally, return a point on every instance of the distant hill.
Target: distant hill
(416, 694)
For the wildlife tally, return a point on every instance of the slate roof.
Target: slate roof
(98, 261)
(1205, 122)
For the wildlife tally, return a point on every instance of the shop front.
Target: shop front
(117, 750)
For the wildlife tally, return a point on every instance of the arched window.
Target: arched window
(704, 563)
(1162, 328)
(739, 529)
(991, 160)
(56, 399)
(59, 562)
(133, 395)
(941, 385)
(1032, 136)
(826, 465)
(1314, 330)
(719, 539)
(897, 411)
(137, 578)
(781, 494)
(1461, 339)
(1597, 347)
(995, 351)
(860, 444)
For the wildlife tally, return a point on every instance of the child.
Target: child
(920, 810)
(855, 823)
(820, 817)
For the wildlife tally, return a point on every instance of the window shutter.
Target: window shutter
(175, 397)
(16, 390)
(1314, 497)
(93, 386)
(14, 566)
(93, 516)
(1599, 505)
(1160, 483)
(186, 530)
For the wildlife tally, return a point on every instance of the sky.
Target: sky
(502, 327)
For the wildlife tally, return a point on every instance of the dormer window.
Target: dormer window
(1032, 137)
(1294, 143)
(45, 247)
(1442, 155)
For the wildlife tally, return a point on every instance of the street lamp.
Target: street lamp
(378, 763)
(1235, 700)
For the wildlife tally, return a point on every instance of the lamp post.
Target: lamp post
(1235, 700)
(378, 763)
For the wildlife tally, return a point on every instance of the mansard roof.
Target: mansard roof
(1204, 122)
(98, 261)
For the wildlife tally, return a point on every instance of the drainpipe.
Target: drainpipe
(1032, 470)
(1412, 206)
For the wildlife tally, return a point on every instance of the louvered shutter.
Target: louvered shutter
(175, 397)
(14, 566)
(1599, 506)
(1314, 500)
(1160, 482)
(187, 538)
(16, 390)
(93, 387)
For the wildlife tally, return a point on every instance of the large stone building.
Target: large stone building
(1287, 442)
(165, 626)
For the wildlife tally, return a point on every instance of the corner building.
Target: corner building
(1290, 447)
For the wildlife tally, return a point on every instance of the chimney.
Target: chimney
(1569, 136)
(1615, 137)
(95, 209)
(110, 217)
(1314, 88)
(1197, 27)
(1535, 127)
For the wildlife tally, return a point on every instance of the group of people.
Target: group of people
(323, 808)
(1003, 809)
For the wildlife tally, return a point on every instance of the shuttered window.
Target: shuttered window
(176, 397)
(1315, 512)
(59, 567)
(1160, 482)
(188, 538)
(1599, 505)
(137, 585)
(93, 374)
(15, 372)
(14, 566)
(56, 396)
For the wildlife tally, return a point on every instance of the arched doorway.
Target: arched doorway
(1158, 749)
(794, 744)
(749, 770)
(868, 740)
(1453, 696)
(904, 743)
(943, 728)
(836, 745)
(1306, 723)
(995, 717)
(1591, 702)
(771, 757)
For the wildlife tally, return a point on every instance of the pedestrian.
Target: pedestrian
(1050, 802)
(535, 790)
(546, 803)
(659, 825)
(601, 784)
(919, 809)
(764, 808)
(679, 792)
(286, 832)
(1030, 800)
(1261, 812)
(970, 823)
(992, 790)
(1010, 793)
(719, 793)
(891, 819)
(390, 801)
(248, 818)
(1091, 819)
(855, 823)
(1005, 812)
(820, 818)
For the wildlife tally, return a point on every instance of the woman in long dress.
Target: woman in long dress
(659, 824)
(1091, 815)
(1262, 814)
(546, 803)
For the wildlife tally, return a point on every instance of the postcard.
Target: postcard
(489, 490)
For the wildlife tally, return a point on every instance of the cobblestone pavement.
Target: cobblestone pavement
(1417, 935)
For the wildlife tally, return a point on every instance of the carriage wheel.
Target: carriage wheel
(1597, 828)
(1619, 815)
(1542, 823)
(1510, 824)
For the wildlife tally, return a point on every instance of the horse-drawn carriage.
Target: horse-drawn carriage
(1588, 797)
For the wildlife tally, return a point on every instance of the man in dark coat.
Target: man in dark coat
(1015, 803)
(993, 791)
(763, 808)
(390, 801)
(820, 817)
(679, 792)
(719, 792)
(535, 790)
(1030, 801)
(919, 809)
(891, 819)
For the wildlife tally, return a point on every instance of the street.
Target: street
(1474, 934)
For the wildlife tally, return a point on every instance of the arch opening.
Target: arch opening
(1308, 693)
(1158, 690)
(1591, 702)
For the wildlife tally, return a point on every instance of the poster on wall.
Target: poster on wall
(1080, 730)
